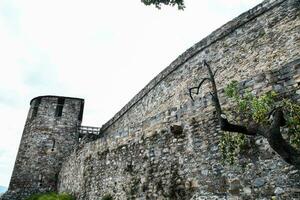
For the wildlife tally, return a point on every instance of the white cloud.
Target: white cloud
(12, 120)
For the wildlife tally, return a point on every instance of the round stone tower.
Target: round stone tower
(50, 135)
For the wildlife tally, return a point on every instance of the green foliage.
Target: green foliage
(242, 101)
(107, 197)
(231, 90)
(247, 105)
(231, 145)
(292, 117)
(257, 109)
(157, 3)
(51, 196)
(261, 107)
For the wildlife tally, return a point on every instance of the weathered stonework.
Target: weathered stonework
(139, 156)
(164, 164)
(163, 145)
(49, 136)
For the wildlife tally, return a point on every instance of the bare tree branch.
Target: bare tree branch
(198, 87)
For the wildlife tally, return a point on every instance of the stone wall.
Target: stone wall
(139, 157)
(48, 137)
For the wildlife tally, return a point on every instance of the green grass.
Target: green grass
(51, 196)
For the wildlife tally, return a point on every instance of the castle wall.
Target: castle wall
(138, 157)
(49, 136)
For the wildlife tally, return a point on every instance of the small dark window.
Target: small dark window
(59, 107)
(81, 111)
(35, 108)
(40, 180)
(53, 145)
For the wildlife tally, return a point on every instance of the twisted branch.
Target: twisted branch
(272, 133)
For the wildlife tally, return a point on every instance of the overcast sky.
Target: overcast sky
(102, 51)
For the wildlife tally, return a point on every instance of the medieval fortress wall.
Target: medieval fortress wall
(163, 145)
(50, 134)
(138, 156)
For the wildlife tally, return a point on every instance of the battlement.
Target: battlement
(54, 96)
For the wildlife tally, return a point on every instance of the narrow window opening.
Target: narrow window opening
(59, 107)
(81, 111)
(35, 108)
(40, 180)
(56, 178)
(53, 145)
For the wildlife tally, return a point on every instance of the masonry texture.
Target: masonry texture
(162, 145)
(138, 156)
(49, 136)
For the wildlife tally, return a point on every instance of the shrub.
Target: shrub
(51, 196)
